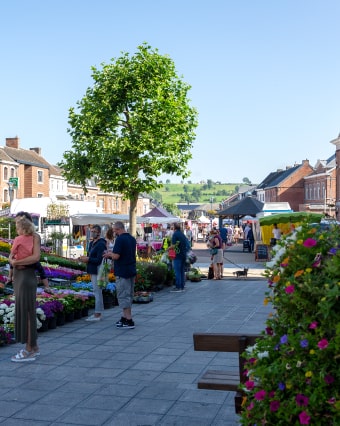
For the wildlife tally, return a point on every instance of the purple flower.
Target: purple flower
(284, 339)
(304, 343)
(282, 386)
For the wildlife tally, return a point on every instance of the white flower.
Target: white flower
(262, 355)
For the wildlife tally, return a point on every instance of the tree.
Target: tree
(246, 181)
(133, 125)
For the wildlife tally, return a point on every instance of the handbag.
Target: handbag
(172, 253)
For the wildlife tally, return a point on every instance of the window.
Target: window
(40, 176)
(12, 172)
(40, 195)
(5, 173)
(6, 198)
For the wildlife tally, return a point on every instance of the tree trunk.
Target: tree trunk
(133, 215)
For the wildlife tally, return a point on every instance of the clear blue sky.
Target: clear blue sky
(265, 74)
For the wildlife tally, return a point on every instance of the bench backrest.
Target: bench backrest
(225, 342)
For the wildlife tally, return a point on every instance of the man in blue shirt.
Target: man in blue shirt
(181, 244)
(124, 257)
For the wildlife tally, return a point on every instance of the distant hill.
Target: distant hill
(173, 193)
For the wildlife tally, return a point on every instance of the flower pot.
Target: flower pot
(69, 316)
(60, 319)
(52, 323)
(44, 326)
(77, 314)
(108, 301)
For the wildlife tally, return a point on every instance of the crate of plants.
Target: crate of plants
(143, 297)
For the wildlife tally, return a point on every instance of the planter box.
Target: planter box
(143, 298)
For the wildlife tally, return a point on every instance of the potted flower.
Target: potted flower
(294, 370)
(194, 275)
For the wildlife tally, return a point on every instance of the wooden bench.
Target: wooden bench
(220, 379)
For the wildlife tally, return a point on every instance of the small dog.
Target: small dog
(243, 273)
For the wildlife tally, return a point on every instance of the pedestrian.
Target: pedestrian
(215, 243)
(180, 243)
(23, 257)
(276, 234)
(224, 236)
(124, 257)
(251, 239)
(94, 258)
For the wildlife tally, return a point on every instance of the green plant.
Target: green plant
(294, 371)
(194, 274)
(150, 275)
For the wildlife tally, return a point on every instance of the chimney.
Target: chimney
(37, 150)
(13, 142)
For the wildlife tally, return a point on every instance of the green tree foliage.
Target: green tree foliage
(134, 124)
(246, 181)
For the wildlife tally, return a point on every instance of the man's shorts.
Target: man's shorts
(125, 290)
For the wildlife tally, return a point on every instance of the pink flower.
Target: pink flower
(274, 405)
(260, 395)
(313, 325)
(250, 406)
(301, 399)
(304, 418)
(309, 242)
(250, 384)
(323, 344)
(290, 289)
(329, 379)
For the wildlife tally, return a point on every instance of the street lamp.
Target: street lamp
(10, 192)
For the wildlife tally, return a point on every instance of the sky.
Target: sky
(264, 74)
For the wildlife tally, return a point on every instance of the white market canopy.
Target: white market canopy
(203, 219)
(105, 219)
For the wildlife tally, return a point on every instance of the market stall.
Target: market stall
(286, 222)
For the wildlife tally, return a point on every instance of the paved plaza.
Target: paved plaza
(95, 374)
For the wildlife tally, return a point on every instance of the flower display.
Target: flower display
(297, 383)
(7, 311)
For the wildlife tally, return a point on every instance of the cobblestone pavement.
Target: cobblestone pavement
(96, 374)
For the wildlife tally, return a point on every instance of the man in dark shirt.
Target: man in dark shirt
(124, 257)
(180, 242)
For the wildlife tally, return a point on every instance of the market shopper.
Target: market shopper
(180, 243)
(124, 257)
(94, 258)
(25, 290)
(215, 242)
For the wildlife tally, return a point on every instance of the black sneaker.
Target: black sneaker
(120, 322)
(126, 324)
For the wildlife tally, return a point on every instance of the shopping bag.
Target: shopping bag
(103, 274)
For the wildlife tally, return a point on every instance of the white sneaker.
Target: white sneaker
(93, 318)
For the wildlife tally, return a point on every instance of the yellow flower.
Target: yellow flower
(309, 374)
(308, 270)
(288, 385)
(300, 242)
(323, 299)
(265, 301)
(299, 273)
(312, 351)
(276, 278)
